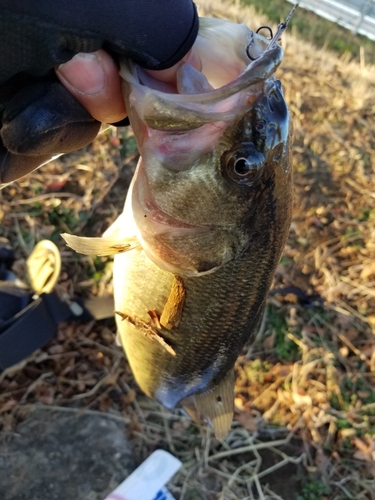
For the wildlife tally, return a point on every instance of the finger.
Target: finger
(169, 75)
(93, 79)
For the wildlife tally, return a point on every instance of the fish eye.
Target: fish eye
(244, 164)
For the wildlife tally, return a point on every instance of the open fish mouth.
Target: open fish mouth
(211, 95)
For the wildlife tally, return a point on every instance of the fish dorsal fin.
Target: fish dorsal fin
(217, 405)
(100, 246)
(191, 81)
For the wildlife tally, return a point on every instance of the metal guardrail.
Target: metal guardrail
(355, 15)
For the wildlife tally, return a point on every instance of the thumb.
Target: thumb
(93, 79)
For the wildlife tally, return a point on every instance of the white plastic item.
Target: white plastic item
(148, 480)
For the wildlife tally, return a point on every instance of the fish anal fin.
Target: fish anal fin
(189, 407)
(217, 405)
(99, 246)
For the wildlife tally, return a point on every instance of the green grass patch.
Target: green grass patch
(128, 144)
(64, 219)
(286, 349)
(367, 214)
(99, 267)
(255, 370)
(314, 489)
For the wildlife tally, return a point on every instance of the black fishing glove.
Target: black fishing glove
(38, 116)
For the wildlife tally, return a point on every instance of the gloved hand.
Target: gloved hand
(39, 117)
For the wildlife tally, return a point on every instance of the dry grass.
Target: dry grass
(305, 390)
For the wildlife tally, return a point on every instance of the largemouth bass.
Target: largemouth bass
(205, 220)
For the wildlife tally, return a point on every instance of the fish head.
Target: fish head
(215, 151)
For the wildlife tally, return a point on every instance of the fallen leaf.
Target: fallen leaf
(302, 400)
(128, 398)
(361, 455)
(8, 405)
(246, 419)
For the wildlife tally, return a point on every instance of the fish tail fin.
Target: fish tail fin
(217, 406)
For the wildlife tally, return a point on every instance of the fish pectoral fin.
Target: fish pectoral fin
(217, 406)
(100, 246)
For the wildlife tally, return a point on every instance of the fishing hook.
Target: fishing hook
(252, 40)
(266, 28)
(248, 47)
(273, 39)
